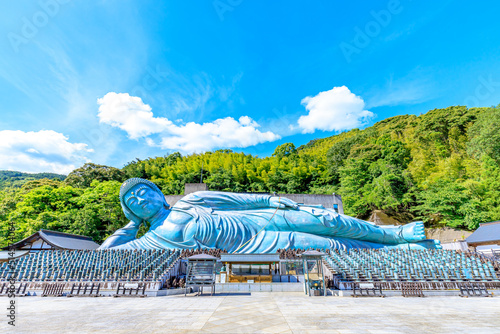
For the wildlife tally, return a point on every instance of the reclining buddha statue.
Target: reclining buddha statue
(247, 223)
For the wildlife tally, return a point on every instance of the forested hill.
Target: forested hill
(441, 167)
(16, 179)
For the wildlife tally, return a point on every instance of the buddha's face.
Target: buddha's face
(143, 201)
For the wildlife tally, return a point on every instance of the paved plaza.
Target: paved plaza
(255, 313)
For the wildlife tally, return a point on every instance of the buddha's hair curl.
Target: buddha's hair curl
(129, 184)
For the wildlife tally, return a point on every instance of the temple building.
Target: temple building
(52, 240)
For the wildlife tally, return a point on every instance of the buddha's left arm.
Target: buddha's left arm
(227, 201)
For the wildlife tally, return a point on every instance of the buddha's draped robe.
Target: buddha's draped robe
(246, 223)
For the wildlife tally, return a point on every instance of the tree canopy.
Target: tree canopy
(17, 179)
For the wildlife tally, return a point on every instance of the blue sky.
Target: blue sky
(111, 81)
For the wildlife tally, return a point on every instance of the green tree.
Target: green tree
(101, 213)
(82, 177)
(285, 150)
(484, 135)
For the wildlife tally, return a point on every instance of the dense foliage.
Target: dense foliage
(51, 204)
(17, 179)
(441, 167)
(84, 176)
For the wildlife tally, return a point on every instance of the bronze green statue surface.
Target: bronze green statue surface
(247, 223)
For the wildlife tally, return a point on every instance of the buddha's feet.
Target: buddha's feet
(413, 232)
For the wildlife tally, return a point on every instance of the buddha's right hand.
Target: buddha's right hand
(122, 235)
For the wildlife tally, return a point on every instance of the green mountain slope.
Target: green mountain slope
(17, 179)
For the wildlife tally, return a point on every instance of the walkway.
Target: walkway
(258, 312)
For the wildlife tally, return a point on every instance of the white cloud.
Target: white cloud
(42, 151)
(135, 117)
(336, 109)
(130, 114)
(223, 132)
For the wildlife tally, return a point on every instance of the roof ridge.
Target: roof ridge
(76, 236)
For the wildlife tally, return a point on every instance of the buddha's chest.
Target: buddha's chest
(173, 227)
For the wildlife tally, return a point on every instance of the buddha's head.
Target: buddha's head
(141, 199)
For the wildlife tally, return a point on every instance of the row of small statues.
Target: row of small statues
(329, 283)
(482, 258)
(175, 282)
(185, 253)
(291, 254)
